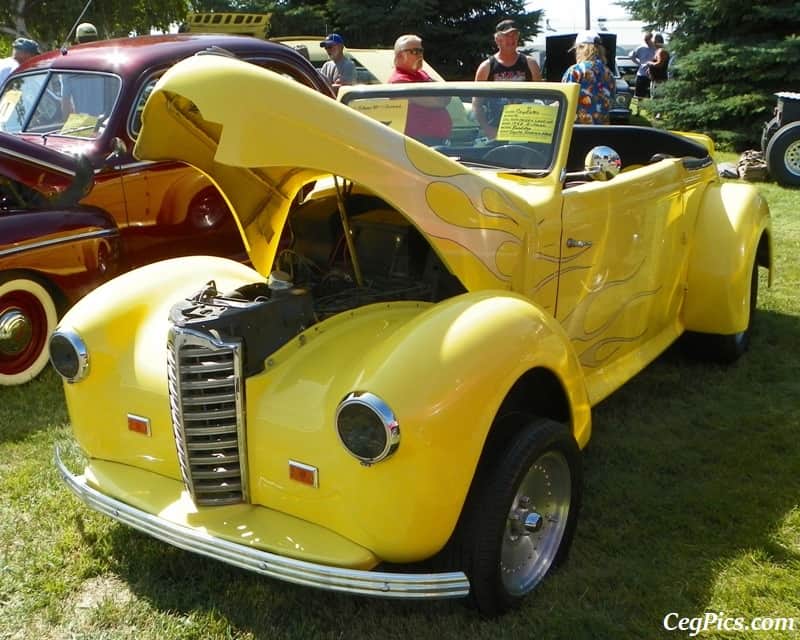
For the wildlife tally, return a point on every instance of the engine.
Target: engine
(318, 273)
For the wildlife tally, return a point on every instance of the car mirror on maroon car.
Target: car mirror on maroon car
(118, 148)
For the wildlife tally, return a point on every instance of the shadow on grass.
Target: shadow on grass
(32, 407)
(690, 465)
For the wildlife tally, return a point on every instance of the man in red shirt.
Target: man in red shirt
(428, 120)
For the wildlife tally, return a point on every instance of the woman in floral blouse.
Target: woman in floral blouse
(595, 79)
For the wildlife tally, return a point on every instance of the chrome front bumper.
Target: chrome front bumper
(371, 583)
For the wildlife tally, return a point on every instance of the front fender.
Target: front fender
(731, 222)
(443, 369)
(124, 324)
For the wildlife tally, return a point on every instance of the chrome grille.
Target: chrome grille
(206, 396)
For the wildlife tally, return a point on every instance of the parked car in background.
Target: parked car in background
(373, 66)
(626, 67)
(560, 55)
(780, 140)
(407, 371)
(68, 123)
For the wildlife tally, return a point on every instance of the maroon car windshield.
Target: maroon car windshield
(60, 103)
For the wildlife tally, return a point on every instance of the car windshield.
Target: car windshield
(514, 129)
(58, 103)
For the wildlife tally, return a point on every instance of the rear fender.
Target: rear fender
(732, 221)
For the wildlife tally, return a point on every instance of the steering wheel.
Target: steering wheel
(516, 155)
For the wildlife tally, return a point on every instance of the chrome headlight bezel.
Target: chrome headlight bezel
(385, 421)
(70, 340)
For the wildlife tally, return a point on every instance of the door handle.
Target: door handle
(580, 244)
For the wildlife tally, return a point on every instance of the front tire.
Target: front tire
(521, 520)
(28, 317)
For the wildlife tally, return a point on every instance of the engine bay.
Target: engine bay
(326, 263)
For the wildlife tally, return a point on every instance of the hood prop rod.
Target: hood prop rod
(348, 236)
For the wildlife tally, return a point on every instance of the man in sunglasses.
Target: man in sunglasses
(339, 70)
(428, 120)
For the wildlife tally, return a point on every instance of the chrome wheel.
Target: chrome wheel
(536, 523)
(520, 519)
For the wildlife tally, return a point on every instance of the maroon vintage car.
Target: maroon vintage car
(75, 205)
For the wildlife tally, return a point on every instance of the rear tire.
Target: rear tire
(521, 516)
(725, 349)
(783, 155)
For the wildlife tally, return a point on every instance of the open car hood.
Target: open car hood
(261, 137)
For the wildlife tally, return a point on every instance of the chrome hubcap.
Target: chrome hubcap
(16, 332)
(792, 158)
(536, 523)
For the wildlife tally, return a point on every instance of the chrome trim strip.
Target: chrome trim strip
(353, 581)
(36, 161)
(103, 233)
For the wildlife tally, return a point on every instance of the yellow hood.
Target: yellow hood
(260, 137)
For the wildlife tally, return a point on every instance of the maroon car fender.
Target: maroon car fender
(73, 249)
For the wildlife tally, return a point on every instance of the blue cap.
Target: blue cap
(333, 38)
(26, 45)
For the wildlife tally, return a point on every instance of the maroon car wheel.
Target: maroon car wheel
(27, 318)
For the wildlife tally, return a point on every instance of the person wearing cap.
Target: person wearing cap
(22, 50)
(597, 83)
(507, 64)
(428, 119)
(339, 70)
(85, 32)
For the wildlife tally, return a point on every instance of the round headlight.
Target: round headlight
(68, 355)
(367, 427)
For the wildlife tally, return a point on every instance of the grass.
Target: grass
(690, 505)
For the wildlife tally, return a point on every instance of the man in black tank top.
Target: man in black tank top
(505, 65)
(517, 72)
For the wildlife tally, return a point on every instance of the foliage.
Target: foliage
(731, 57)
(50, 22)
(457, 34)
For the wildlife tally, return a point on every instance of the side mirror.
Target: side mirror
(602, 163)
(118, 148)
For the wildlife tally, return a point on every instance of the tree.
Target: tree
(731, 57)
(50, 22)
(457, 34)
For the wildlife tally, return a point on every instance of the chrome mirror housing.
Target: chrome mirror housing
(602, 163)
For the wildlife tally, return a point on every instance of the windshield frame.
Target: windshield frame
(49, 76)
(514, 92)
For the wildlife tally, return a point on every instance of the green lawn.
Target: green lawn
(691, 505)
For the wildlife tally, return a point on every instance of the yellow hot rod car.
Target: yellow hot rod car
(393, 399)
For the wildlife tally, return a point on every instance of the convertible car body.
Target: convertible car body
(68, 123)
(407, 372)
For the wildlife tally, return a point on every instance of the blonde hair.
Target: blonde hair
(586, 51)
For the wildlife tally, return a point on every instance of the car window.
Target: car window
(59, 103)
(492, 128)
(278, 66)
(144, 93)
(19, 99)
